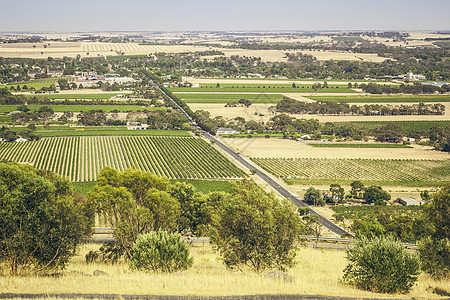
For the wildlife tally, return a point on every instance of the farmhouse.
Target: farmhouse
(411, 76)
(19, 140)
(408, 201)
(226, 131)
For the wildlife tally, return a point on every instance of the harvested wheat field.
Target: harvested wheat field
(317, 273)
(283, 148)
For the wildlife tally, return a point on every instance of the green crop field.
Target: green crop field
(99, 96)
(400, 172)
(354, 145)
(267, 88)
(62, 131)
(78, 108)
(383, 99)
(225, 98)
(347, 38)
(81, 158)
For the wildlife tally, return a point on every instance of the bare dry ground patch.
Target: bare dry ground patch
(260, 112)
(284, 148)
(317, 273)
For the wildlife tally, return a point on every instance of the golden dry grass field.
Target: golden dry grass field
(317, 273)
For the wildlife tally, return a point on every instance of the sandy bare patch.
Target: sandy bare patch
(282, 148)
(260, 112)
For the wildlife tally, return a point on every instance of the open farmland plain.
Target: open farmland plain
(81, 158)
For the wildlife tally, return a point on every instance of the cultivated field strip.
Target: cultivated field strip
(81, 158)
(358, 169)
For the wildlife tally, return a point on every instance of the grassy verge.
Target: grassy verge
(317, 272)
(77, 96)
(78, 108)
(204, 186)
(84, 187)
(277, 88)
(383, 99)
(344, 145)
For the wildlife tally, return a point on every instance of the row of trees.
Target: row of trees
(416, 89)
(331, 108)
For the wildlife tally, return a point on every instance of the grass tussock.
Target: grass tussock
(318, 273)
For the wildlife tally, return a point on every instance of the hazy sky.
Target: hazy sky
(177, 15)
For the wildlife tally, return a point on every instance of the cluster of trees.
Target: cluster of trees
(240, 102)
(167, 119)
(7, 135)
(248, 227)
(417, 88)
(331, 108)
(371, 195)
(24, 115)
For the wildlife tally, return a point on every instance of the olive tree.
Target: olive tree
(381, 265)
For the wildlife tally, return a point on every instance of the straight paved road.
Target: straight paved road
(274, 184)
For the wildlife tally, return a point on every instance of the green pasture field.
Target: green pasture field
(81, 158)
(66, 131)
(204, 186)
(225, 98)
(389, 172)
(369, 212)
(353, 145)
(78, 108)
(407, 126)
(77, 96)
(37, 83)
(207, 186)
(267, 88)
(383, 99)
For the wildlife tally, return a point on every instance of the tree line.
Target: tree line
(292, 106)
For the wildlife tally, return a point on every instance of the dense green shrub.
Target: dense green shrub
(435, 257)
(160, 251)
(381, 265)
